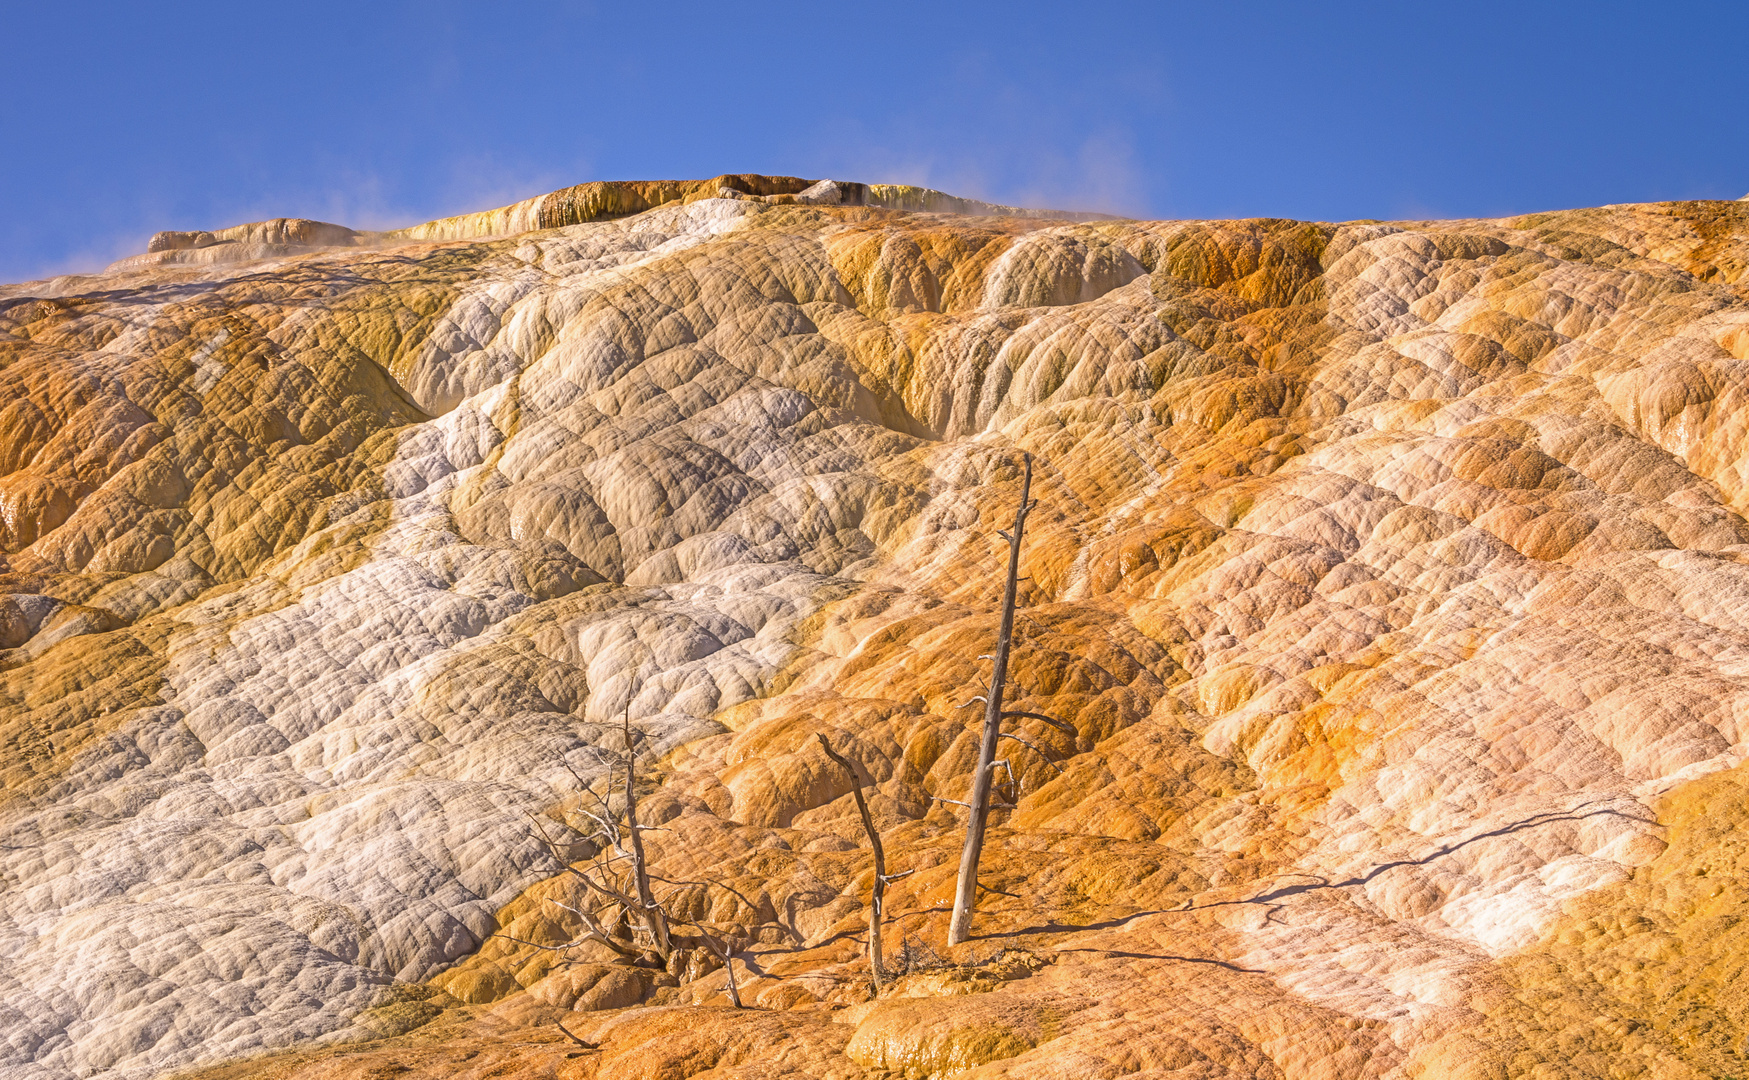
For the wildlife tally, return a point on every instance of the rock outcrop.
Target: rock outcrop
(599, 200)
(1393, 576)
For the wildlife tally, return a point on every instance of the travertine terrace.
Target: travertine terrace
(1393, 575)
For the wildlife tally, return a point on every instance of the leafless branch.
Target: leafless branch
(597, 933)
(612, 892)
(726, 953)
(547, 948)
(1013, 784)
(541, 829)
(607, 828)
(968, 806)
(737, 894)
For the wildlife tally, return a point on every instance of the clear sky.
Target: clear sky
(123, 119)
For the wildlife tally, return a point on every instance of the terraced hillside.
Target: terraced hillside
(1394, 578)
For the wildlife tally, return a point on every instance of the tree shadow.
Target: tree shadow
(1318, 883)
(1212, 962)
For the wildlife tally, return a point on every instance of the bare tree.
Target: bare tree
(603, 879)
(966, 892)
(655, 918)
(881, 877)
(631, 892)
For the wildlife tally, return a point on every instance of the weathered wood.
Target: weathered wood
(654, 918)
(966, 893)
(880, 861)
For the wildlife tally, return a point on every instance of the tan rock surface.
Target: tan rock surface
(1393, 575)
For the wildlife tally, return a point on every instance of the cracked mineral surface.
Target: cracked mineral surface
(1393, 578)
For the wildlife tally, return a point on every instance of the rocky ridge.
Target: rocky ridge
(1393, 576)
(595, 201)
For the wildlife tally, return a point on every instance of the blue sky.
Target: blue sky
(126, 119)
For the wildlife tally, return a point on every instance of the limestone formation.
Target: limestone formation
(1394, 577)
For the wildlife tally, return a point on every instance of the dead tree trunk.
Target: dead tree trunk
(966, 895)
(880, 863)
(653, 916)
(729, 984)
(726, 951)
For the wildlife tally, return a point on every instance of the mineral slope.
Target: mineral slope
(1393, 576)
